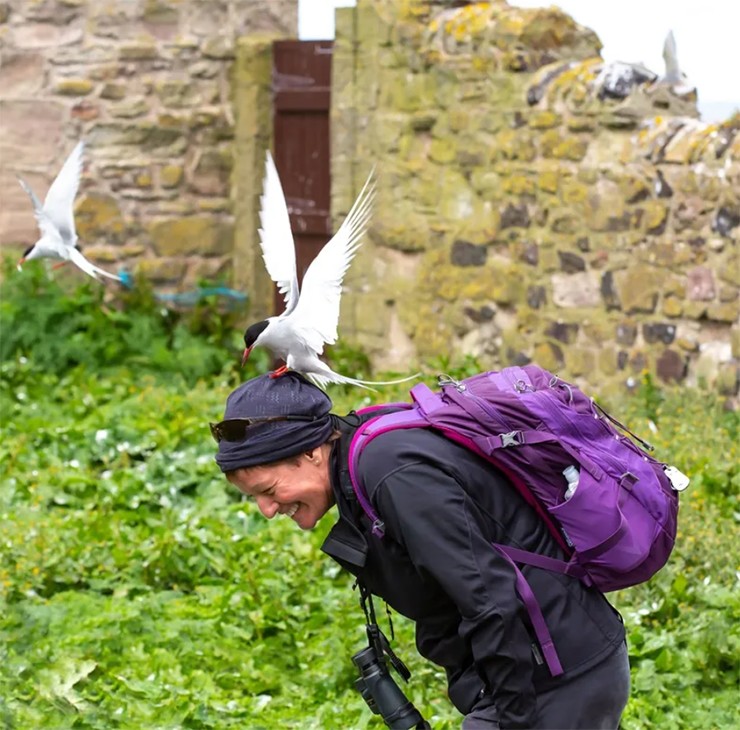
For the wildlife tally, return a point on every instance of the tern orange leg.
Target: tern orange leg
(60, 264)
(280, 371)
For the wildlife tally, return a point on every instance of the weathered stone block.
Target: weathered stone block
(143, 179)
(580, 361)
(170, 176)
(31, 131)
(548, 181)
(161, 270)
(575, 290)
(655, 217)
(519, 185)
(638, 288)
(571, 263)
(671, 366)
(672, 307)
(607, 360)
(464, 253)
(218, 47)
(728, 378)
(74, 87)
(129, 110)
(212, 172)
(204, 235)
(626, 333)
(563, 147)
(97, 216)
(102, 254)
(565, 332)
(536, 296)
(700, 284)
(515, 216)
(659, 332)
(548, 356)
(143, 51)
(544, 119)
(725, 219)
(443, 150)
(85, 110)
(21, 75)
(46, 35)
(723, 312)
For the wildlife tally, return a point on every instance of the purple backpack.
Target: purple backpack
(610, 505)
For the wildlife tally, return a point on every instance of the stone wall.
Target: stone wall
(527, 211)
(148, 85)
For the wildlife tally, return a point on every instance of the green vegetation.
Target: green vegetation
(138, 590)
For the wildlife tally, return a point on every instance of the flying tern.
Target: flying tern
(56, 222)
(309, 321)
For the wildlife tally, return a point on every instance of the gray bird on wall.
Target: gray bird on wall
(673, 73)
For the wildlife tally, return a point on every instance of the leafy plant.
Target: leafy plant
(57, 328)
(139, 590)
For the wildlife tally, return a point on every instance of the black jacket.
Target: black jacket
(443, 506)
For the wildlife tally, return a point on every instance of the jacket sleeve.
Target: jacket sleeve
(446, 536)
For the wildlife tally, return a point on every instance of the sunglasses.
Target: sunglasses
(235, 429)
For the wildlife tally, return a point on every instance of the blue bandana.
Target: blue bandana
(289, 394)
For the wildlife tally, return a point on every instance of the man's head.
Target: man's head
(273, 445)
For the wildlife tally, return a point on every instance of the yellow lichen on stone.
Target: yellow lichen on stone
(143, 180)
(171, 175)
(74, 87)
(98, 215)
(204, 235)
(547, 180)
(469, 21)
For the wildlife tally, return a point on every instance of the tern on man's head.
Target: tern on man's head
(298, 335)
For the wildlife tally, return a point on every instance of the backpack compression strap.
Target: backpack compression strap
(409, 418)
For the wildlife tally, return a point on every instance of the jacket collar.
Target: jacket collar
(346, 541)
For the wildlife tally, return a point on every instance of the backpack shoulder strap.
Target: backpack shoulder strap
(408, 418)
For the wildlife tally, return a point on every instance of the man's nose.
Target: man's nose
(268, 506)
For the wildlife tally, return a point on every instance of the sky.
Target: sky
(706, 33)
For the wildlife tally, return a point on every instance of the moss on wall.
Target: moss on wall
(540, 213)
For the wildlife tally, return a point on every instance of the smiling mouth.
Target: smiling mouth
(292, 510)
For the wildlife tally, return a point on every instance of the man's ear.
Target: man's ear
(314, 456)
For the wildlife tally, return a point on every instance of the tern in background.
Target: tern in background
(56, 221)
(298, 335)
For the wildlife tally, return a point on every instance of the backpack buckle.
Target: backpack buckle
(378, 528)
(513, 438)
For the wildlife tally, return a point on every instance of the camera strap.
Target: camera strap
(375, 636)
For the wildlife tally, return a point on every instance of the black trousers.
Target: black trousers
(593, 701)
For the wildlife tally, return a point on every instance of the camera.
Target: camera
(383, 696)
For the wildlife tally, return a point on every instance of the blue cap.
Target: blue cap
(289, 394)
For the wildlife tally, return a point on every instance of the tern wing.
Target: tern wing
(46, 226)
(317, 313)
(276, 237)
(89, 268)
(60, 198)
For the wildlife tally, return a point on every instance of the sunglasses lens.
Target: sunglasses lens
(236, 429)
(233, 430)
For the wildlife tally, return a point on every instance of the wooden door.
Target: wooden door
(301, 98)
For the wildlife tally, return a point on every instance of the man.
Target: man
(443, 507)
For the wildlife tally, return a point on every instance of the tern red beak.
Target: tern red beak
(245, 356)
(20, 263)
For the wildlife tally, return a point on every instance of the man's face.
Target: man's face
(301, 490)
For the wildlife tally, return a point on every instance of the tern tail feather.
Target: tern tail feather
(326, 378)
